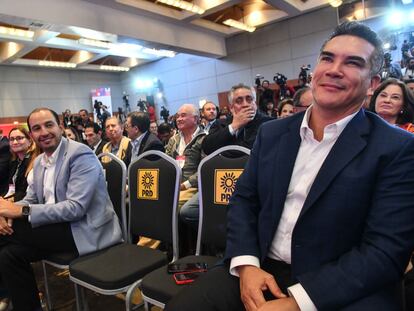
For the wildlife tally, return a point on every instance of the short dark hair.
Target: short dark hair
(55, 115)
(164, 128)
(286, 101)
(95, 126)
(407, 114)
(362, 31)
(406, 81)
(84, 110)
(141, 120)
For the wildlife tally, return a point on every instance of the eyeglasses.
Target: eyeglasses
(17, 138)
(239, 100)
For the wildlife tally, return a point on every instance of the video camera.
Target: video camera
(280, 79)
(164, 113)
(142, 105)
(303, 74)
(257, 80)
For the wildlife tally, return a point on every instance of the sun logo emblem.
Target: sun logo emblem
(228, 182)
(147, 180)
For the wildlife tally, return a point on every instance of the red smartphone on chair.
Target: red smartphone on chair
(186, 267)
(187, 277)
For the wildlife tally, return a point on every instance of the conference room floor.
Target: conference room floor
(63, 295)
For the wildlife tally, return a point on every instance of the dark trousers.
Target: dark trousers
(24, 246)
(219, 291)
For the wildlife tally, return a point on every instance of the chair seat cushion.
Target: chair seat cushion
(62, 258)
(160, 285)
(117, 266)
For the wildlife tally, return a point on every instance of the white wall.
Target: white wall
(24, 88)
(282, 47)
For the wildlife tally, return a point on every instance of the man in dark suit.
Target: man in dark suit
(93, 134)
(137, 127)
(242, 128)
(322, 217)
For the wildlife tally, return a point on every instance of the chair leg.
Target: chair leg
(47, 292)
(128, 297)
(146, 306)
(80, 297)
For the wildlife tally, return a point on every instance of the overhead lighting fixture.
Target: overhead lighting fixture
(407, 1)
(113, 68)
(335, 3)
(159, 53)
(95, 43)
(49, 63)
(16, 32)
(184, 5)
(235, 24)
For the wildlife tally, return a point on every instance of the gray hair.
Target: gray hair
(237, 87)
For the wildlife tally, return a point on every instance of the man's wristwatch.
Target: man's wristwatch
(26, 210)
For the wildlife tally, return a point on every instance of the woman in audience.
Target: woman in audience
(24, 151)
(270, 111)
(285, 108)
(393, 102)
(72, 133)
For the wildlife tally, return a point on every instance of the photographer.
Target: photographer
(390, 70)
(285, 91)
(409, 70)
(164, 114)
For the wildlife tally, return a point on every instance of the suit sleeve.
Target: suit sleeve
(382, 254)
(243, 211)
(217, 139)
(84, 173)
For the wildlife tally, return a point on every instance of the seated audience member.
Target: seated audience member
(185, 146)
(4, 163)
(209, 112)
(84, 117)
(246, 122)
(72, 133)
(408, 72)
(302, 99)
(242, 127)
(66, 209)
(118, 144)
(394, 102)
(165, 132)
(331, 231)
(137, 127)
(93, 134)
(410, 84)
(224, 114)
(24, 152)
(154, 128)
(285, 108)
(270, 110)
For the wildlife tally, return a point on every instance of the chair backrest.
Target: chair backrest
(115, 175)
(217, 177)
(154, 187)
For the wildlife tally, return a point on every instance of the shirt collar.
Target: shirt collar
(330, 131)
(138, 140)
(49, 161)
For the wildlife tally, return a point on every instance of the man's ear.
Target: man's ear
(375, 81)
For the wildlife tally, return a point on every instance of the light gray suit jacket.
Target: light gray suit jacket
(81, 198)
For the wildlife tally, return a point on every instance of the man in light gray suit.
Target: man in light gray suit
(66, 209)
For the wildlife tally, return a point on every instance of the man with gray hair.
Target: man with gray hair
(242, 128)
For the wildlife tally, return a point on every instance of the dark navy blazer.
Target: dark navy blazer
(355, 233)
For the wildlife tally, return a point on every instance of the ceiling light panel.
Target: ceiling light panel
(184, 5)
(235, 24)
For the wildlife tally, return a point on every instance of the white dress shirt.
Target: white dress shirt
(136, 143)
(310, 157)
(49, 163)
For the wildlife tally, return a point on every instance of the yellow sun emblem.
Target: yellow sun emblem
(228, 182)
(147, 180)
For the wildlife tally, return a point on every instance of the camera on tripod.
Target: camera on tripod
(280, 79)
(164, 113)
(303, 74)
(258, 79)
(142, 105)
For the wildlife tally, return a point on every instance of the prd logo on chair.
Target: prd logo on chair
(224, 184)
(148, 181)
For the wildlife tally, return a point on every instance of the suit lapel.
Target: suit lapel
(349, 144)
(59, 161)
(285, 161)
(143, 142)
